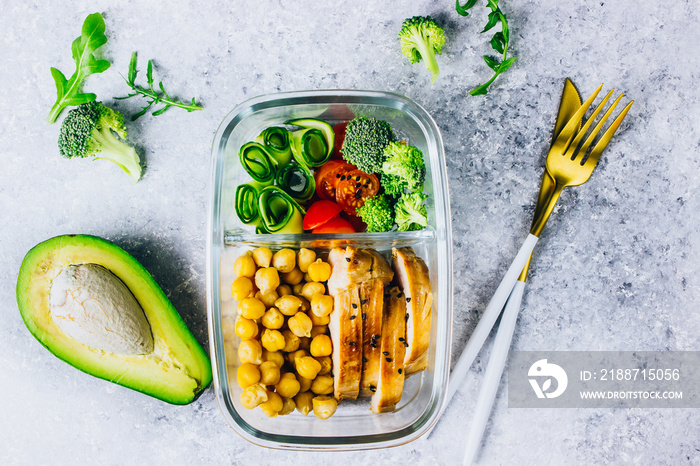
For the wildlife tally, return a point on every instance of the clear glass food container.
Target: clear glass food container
(353, 426)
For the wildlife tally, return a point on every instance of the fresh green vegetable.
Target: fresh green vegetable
(499, 41)
(68, 93)
(320, 125)
(87, 131)
(246, 202)
(411, 214)
(377, 214)
(297, 181)
(258, 163)
(313, 144)
(422, 38)
(152, 96)
(403, 169)
(276, 141)
(365, 140)
(279, 212)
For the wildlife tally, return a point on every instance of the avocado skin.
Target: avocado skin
(177, 372)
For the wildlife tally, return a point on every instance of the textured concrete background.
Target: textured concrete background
(617, 268)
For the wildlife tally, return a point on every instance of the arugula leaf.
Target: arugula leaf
(152, 96)
(68, 93)
(499, 41)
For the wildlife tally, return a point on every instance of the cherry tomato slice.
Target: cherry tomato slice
(339, 132)
(335, 225)
(319, 213)
(329, 175)
(352, 191)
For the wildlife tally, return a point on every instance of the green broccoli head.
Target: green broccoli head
(88, 131)
(377, 214)
(403, 168)
(365, 140)
(422, 38)
(411, 214)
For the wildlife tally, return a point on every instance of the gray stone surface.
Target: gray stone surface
(617, 268)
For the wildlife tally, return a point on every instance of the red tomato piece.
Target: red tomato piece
(335, 225)
(319, 213)
(354, 189)
(339, 132)
(329, 175)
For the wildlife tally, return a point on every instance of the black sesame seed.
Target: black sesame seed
(358, 194)
(385, 353)
(367, 185)
(337, 175)
(388, 359)
(357, 185)
(372, 388)
(364, 359)
(354, 306)
(342, 178)
(406, 318)
(408, 300)
(405, 344)
(348, 259)
(373, 344)
(364, 315)
(352, 317)
(400, 371)
(371, 269)
(402, 339)
(358, 178)
(399, 295)
(364, 301)
(351, 343)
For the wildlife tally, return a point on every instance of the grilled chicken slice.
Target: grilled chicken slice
(351, 266)
(346, 334)
(414, 279)
(391, 367)
(372, 299)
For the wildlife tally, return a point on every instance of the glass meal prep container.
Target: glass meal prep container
(353, 426)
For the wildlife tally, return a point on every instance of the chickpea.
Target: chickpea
(273, 405)
(305, 343)
(291, 341)
(253, 396)
(324, 406)
(273, 356)
(288, 305)
(262, 256)
(304, 383)
(284, 260)
(284, 290)
(321, 346)
(304, 258)
(319, 271)
(319, 321)
(323, 385)
(228, 327)
(308, 367)
(292, 357)
(247, 375)
(293, 277)
(307, 277)
(241, 288)
(272, 340)
(288, 406)
(251, 308)
(250, 351)
(304, 402)
(288, 386)
(297, 289)
(268, 299)
(246, 328)
(267, 279)
(311, 289)
(318, 330)
(322, 305)
(326, 365)
(269, 373)
(305, 304)
(273, 319)
(300, 324)
(244, 266)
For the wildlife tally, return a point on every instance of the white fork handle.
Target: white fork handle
(494, 371)
(493, 310)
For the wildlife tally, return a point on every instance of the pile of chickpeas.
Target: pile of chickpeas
(283, 315)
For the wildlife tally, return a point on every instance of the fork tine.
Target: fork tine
(582, 132)
(607, 136)
(598, 127)
(562, 141)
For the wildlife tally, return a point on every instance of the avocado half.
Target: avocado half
(177, 369)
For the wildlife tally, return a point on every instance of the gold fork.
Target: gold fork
(567, 165)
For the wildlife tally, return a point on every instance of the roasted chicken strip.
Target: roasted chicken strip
(346, 334)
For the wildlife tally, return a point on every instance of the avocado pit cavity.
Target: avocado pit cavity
(91, 305)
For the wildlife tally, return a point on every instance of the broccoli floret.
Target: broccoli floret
(403, 168)
(411, 214)
(422, 38)
(365, 140)
(377, 214)
(88, 130)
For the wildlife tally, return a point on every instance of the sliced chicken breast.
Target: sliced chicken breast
(389, 386)
(414, 279)
(346, 334)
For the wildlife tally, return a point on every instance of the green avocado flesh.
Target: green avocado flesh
(177, 368)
